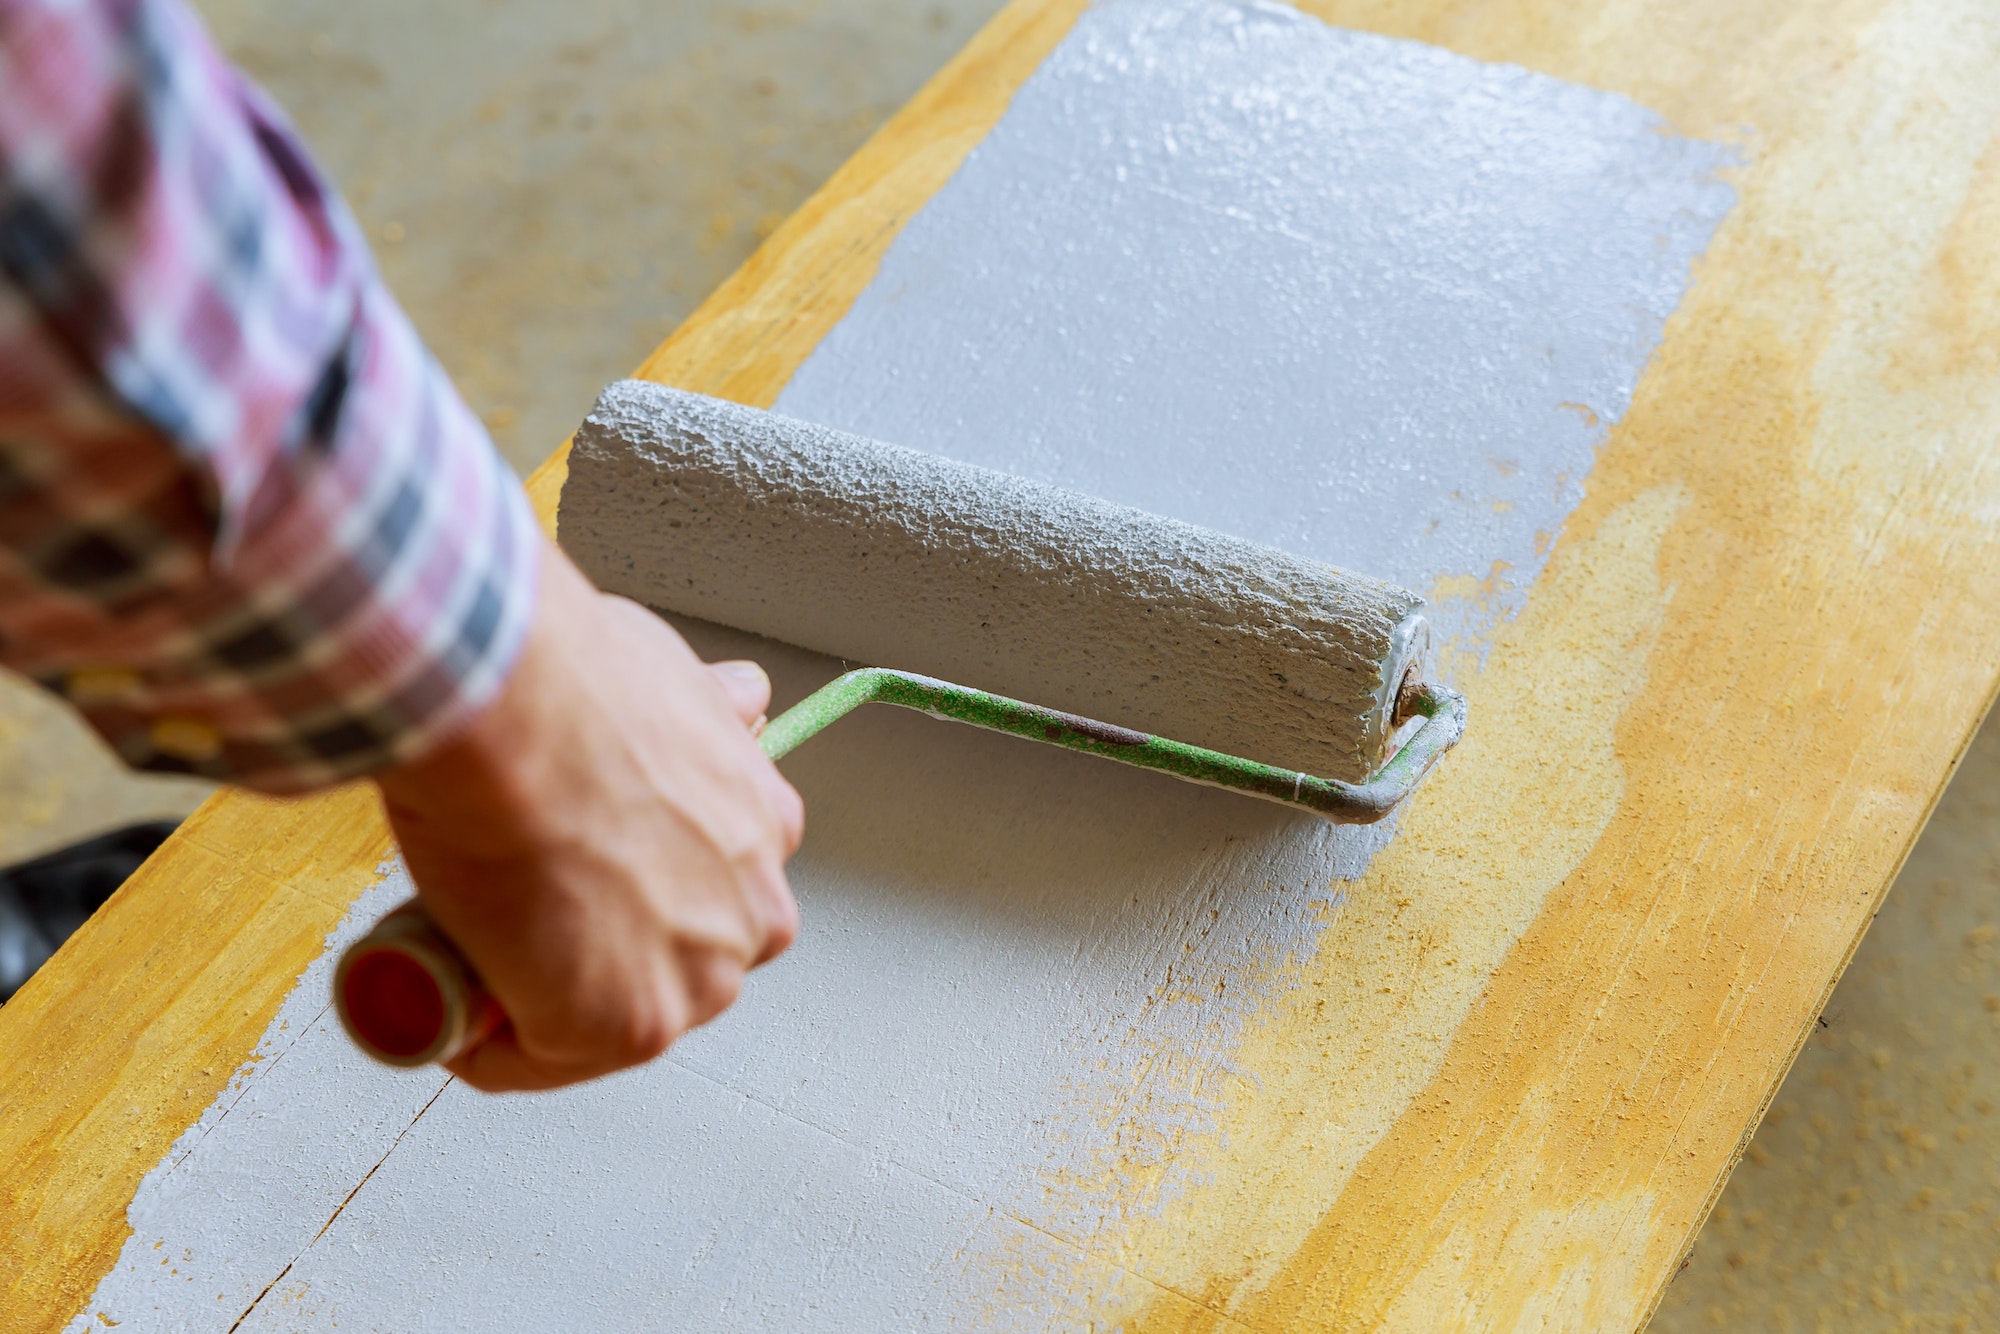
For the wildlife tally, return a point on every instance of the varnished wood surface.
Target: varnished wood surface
(1549, 1019)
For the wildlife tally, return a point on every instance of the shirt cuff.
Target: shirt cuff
(372, 601)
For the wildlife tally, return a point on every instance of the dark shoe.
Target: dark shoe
(43, 900)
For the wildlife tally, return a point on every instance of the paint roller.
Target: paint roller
(1137, 638)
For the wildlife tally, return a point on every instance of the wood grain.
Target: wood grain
(1700, 753)
(1814, 643)
(120, 1042)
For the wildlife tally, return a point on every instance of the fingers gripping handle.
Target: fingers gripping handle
(408, 997)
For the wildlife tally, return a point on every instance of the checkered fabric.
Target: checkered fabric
(246, 524)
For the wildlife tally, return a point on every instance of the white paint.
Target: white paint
(245, 1189)
(893, 556)
(1350, 271)
(1360, 299)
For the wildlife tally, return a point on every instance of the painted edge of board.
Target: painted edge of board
(147, 1014)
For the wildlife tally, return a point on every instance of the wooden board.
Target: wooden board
(1707, 741)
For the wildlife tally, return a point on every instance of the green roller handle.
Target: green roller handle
(1443, 712)
(408, 997)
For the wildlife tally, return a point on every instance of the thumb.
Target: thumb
(746, 687)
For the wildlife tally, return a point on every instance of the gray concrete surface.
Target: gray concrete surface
(553, 186)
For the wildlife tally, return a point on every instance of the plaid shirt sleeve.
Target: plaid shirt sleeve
(246, 524)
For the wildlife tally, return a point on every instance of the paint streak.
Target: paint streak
(1362, 1027)
(1830, 485)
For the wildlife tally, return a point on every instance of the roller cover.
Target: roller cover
(892, 557)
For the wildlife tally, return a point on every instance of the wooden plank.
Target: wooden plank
(1703, 749)
(120, 1042)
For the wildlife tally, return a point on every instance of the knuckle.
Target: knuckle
(784, 931)
(791, 818)
(719, 986)
(644, 1035)
(724, 989)
(781, 925)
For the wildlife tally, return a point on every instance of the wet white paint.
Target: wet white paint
(889, 555)
(245, 1189)
(1360, 299)
(1356, 298)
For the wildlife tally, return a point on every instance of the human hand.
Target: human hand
(605, 843)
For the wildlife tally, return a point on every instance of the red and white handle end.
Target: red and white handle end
(408, 997)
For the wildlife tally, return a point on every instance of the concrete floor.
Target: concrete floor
(552, 187)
